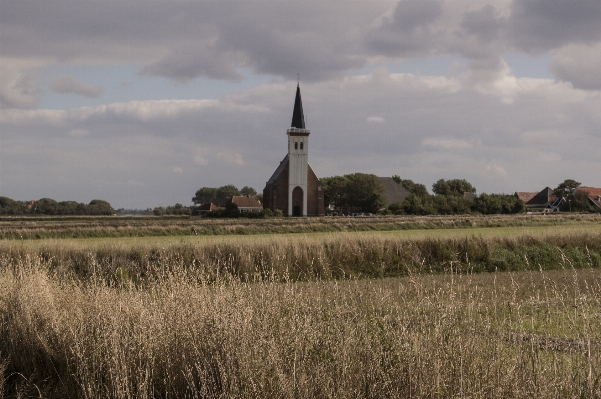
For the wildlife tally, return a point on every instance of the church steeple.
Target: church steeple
(298, 118)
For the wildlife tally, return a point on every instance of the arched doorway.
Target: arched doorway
(297, 201)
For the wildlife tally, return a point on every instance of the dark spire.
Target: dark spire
(298, 118)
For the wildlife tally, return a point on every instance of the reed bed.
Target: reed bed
(20, 228)
(298, 258)
(491, 335)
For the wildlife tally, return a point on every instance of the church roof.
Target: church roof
(298, 118)
(279, 170)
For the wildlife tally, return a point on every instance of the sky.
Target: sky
(141, 103)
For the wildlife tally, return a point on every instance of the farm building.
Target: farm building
(593, 194)
(206, 208)
(543, 199)
(393, 191)
(245, 203)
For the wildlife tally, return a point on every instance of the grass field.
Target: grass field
(388, 313)
(24, 228)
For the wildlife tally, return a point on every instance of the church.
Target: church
(294, 188)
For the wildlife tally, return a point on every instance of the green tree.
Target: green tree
(489, 204)
(248, 191)
(100, 207)
(46, 206)
(204, 195)
(364, 193)
(414, 188)
(453, 187)
(334, 190)
(356, 192)
(415, 205)
(9, 206)
(566, 188)
(224, 193)
(578, 201)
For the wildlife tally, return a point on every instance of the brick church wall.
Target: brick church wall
(275, 196)
(315, 204)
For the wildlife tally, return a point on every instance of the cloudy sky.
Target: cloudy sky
(141, 103)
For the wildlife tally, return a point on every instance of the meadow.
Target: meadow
(474, 311)
(25, 228)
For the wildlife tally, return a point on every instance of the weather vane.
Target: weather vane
(298, 77)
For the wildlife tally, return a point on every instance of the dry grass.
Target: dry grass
(89, 227)
(299, 258)
(185, 332)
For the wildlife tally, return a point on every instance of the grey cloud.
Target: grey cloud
(71, 85)
(579, 65)
(411, 15)
(435, 127)
(410, 31)
(541, 25)
(183, 64)
(484, 23)
(18, 90)
(183, 40)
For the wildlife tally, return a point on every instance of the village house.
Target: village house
(593, 194)
(393, 191)
(206, 208)
(245, 203)
(544, 199)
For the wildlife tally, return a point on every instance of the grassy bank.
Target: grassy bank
(492, 335)
(300, 258)
(21, 228)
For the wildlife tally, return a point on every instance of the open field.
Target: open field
(491, 335)
(94, 227)
(309, 257)
(414, 234)
(395, 312)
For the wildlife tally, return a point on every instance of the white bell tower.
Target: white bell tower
(298, 157)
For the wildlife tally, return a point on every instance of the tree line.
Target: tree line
(575, 201)
(220, 195)
(360, 192)
(48, 206)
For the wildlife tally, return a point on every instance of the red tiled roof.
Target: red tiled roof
(209, 206)
(593, 193)
(525, 195)
(245, 202)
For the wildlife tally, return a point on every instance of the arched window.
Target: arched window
(302, 145)
(296, 145)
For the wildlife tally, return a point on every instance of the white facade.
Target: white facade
(298, 156)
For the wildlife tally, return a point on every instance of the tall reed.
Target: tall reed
(19, 228)
(492, 335)
(297, 258)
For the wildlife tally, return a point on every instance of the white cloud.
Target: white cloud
(231, 158)
(447, 143)
(497, 170)
(479, 120)
(71, 85)
(19, 86)
(78, 133)
(200, 160)
(579, 64)
(375, 119)
(135, 183)
(177, 169)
